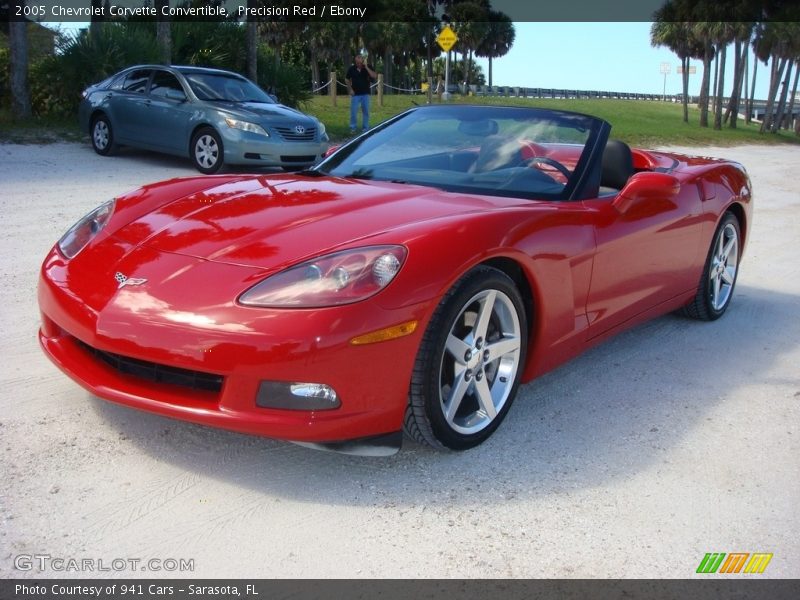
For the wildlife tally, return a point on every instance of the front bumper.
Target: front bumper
(248, 346)
(245, 148)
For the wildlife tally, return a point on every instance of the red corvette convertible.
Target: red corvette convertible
(410, 282)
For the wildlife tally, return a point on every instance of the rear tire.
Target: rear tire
(102, 136)
(469, 364)
(719, 274)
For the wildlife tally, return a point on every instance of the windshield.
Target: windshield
(226, 88)
(531, 153)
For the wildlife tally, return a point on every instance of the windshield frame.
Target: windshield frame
(584, 176)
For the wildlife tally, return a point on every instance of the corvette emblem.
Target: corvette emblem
(124, 280)
(300, 129)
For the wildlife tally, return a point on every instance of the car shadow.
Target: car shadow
(614, 412)
(156, 159)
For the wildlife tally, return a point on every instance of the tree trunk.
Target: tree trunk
(778, 65)
(163, 32)
(251, 48)
(738, 78)
(704, 86)
(752, 91)
(430, 54)
(96, 20)
(713, 94)
(18, 39)
(746, 85)
(388, 69)
(720, 88)
(778, 120)
(314, 62)
(490, 71)
(788, 122)
(685, 62)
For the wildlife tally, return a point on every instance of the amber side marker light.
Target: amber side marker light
(383, 335)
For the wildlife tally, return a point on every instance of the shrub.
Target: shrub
(57, 81)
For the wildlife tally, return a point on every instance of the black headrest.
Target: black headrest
(617, 165)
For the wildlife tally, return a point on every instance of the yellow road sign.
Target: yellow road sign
(447, 38)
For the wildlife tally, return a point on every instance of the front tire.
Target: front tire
(102, 136)
(719, 274)
(206, 151)
(469, 364)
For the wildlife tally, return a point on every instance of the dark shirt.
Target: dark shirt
(359, 80)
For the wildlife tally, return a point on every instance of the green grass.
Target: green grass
(637, 122)
(40, 130)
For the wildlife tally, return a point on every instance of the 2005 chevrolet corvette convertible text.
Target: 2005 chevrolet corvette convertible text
(411, 281)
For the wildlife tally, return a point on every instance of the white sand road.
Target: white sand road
(672, 440)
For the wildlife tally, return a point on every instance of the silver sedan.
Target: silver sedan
(212, 116)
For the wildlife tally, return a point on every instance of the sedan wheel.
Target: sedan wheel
(469, 364)
(719, 275)
(207, 151)
(102, 136)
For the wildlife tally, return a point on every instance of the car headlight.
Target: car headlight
(323, 134)
(246, 126)
(332, 280)
(84, 231)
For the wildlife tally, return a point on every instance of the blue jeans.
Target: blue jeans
(363, 101)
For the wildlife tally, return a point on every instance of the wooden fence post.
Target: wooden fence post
(332, 91)
(380, 89)
(430, 90)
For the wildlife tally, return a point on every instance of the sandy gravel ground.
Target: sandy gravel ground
(670, 441)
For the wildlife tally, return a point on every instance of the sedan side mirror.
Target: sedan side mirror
(646, 186)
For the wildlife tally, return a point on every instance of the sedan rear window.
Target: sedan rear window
(135, 81)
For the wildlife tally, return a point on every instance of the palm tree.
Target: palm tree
(775, 45)
(498, 40)
(679, 37)
(469, 20)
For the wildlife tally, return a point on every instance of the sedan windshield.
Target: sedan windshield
(530, 153)
(226, 88)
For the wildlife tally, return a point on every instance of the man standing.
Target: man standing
(358, 79)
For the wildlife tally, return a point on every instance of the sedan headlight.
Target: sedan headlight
(323, 134)
(246, 126)
(84, 231)
(332, 280)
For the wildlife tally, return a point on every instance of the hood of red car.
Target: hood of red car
(270, 221)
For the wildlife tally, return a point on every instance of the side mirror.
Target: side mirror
(646, 186)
